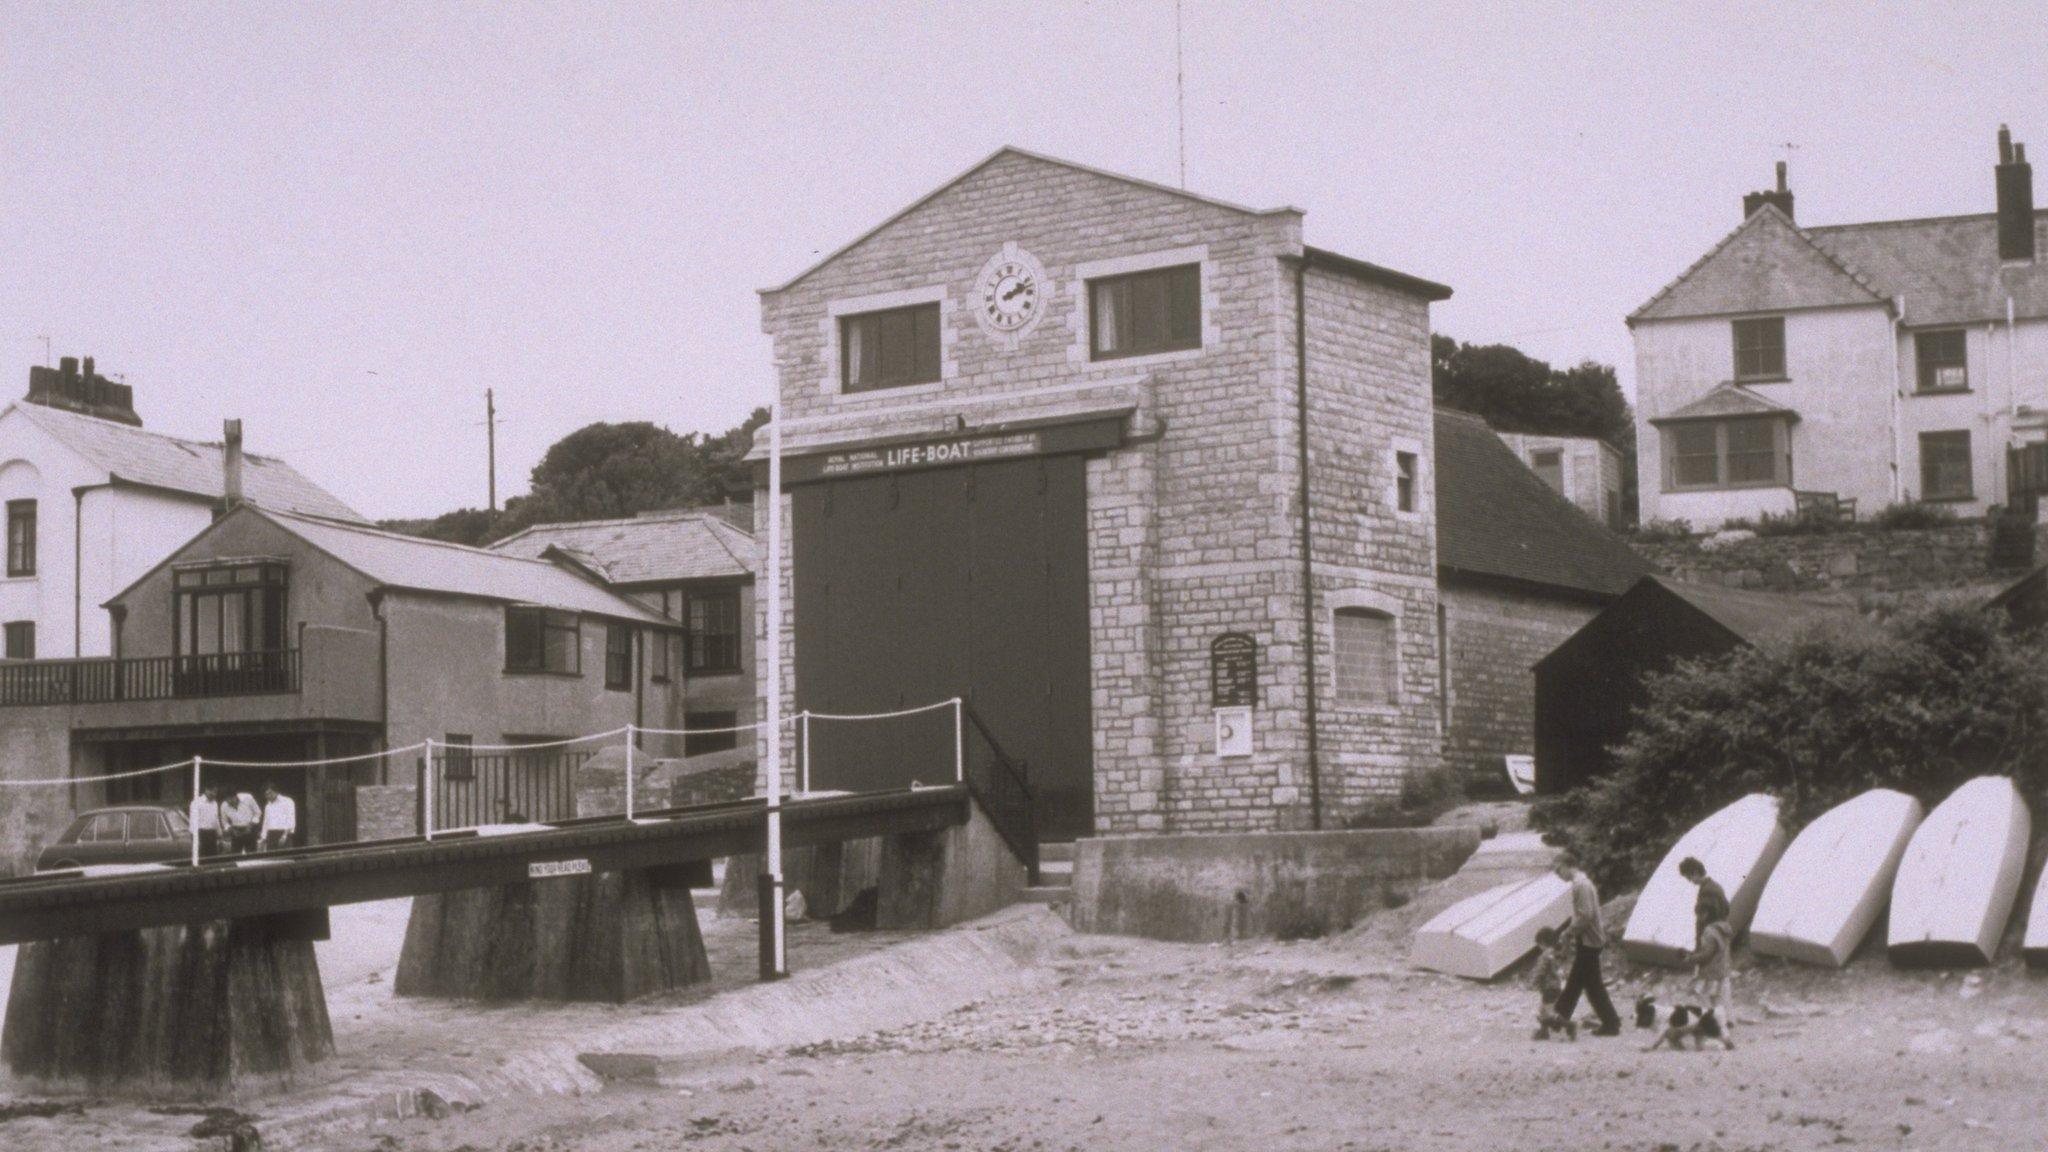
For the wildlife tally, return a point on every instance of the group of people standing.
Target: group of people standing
(1570, 964)
(240, 825)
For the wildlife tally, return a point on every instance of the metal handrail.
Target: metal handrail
(1007, 796)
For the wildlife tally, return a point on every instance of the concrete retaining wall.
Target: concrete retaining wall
(1291, 883)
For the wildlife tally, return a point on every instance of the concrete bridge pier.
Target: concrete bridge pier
(609, 936)
(194, 1011)
(830, 875)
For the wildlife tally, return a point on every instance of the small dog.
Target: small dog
(1688, 1020)
(1549, 1022)
(1646, 1012)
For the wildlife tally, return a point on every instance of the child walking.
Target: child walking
(1552, 960)
(1713, 976)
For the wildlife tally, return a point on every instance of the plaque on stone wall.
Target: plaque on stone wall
(1233, 671)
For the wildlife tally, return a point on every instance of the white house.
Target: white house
(1855, 364)
(1582, 469)
(93, 501)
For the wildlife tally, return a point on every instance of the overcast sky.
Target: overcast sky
(342, 223)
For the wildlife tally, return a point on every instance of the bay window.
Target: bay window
(1741, 452)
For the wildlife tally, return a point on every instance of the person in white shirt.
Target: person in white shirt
(205, 817)
(242, 815)
(280, 819)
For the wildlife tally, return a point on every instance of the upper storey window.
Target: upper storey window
(1760, 348)
(21, 537)
(889, 349)
(1158, 310)
(1944, 360)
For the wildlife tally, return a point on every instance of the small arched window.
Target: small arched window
(1367, 670)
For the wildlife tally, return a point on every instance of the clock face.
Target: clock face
(1010, 293)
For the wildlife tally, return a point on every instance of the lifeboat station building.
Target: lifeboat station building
(1135, 471)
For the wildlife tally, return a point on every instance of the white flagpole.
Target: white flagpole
(629, 773)
(195, 827)
(428, 784)
(774, 942)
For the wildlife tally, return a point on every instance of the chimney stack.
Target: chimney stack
(231, 466)
(2015, 201)
(1781, 198)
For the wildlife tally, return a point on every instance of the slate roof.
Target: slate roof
(1753, 615)
(1496, 518)
(191, 466)
(393, 560)
(687, 544)
(1725, 401)
(1942, 270)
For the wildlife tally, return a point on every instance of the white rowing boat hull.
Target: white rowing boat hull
(1738, 845)
(1960, 877)
(1482, 936)
(1831, 885)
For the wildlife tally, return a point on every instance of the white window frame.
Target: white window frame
(1080, 320)
(834, 385)
(1339, 599)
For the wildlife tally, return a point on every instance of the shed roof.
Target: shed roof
(193, 467)
(684, 544)
(1753, 615)
(1496, 518)
(392, 560)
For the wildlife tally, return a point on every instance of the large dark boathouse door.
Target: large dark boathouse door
(971, 580)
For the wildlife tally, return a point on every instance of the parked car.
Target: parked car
(129, 834)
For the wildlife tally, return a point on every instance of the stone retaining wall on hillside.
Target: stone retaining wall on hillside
(1861, 560)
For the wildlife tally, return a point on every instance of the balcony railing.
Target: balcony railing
(25, 683)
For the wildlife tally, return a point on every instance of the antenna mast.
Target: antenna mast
(491, 441)
(1180, 96)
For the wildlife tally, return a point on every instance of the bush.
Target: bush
(1659, 531)
(1810, 522)
(1911, 515)
(1920, 704)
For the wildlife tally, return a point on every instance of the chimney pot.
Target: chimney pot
(2015, 183)
(231, 465)
(1781, 177)
(68, 365)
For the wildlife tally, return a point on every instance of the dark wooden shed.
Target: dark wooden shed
(1588, 686)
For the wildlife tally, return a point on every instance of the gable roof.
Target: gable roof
(1013, 150)
(131, 455)
(1943, 270)
(1724, 401)
(1496, 518)
(412, 563)
(685, 544)
(1766, 264)
(1751, 616)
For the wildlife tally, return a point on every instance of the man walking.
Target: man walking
(242, 815)
(205, 817)
(280, 819)
(1711, 905)
(1589, 937)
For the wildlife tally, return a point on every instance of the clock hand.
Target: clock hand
(1021, 287)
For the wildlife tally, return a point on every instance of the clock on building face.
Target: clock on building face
(1010, 294)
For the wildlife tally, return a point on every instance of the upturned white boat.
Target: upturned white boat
(1832, 883)
(1960, 877)
(1482, 936)
(1738, 845)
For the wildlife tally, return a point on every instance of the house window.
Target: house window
(230, 608)
(1366, 668)
(543, 640)
(1945, 466)
(458, 761)
(1548, 464)
(1760, 349)
(21, 640)
(1159, 310)
(618, 656)
(714, 640)
(1745, 453)
(1404, 481)
(21, 537)
(889, 349)
(721, 738)
(1944, 360)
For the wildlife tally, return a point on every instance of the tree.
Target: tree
(1516, 392)
(603, 471)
